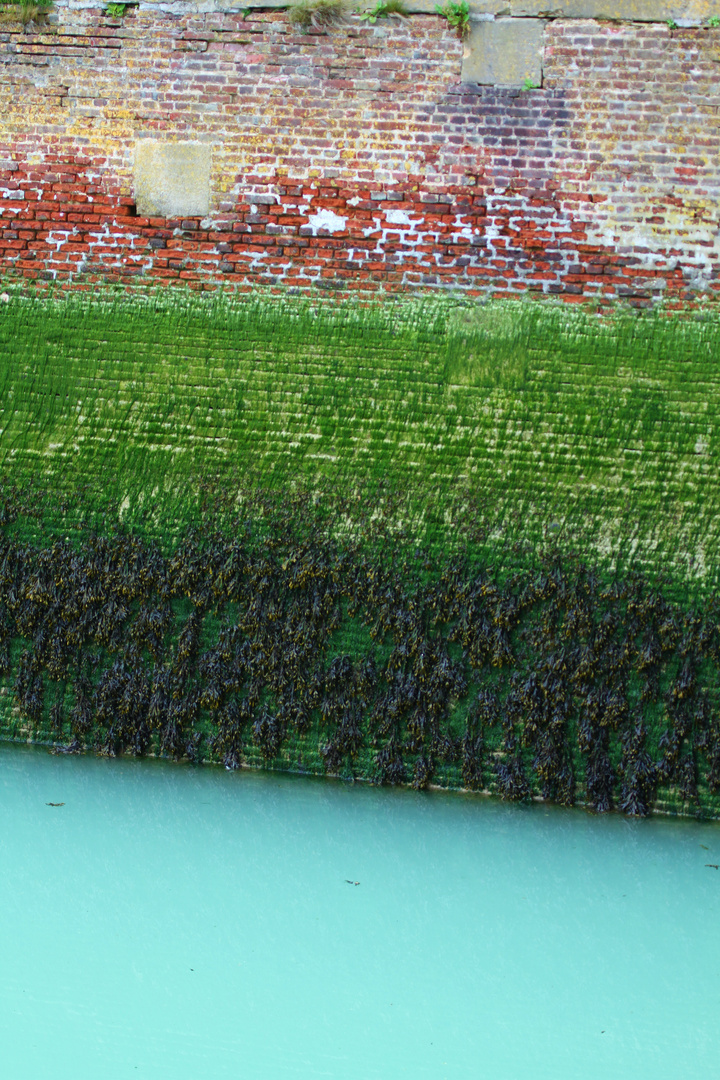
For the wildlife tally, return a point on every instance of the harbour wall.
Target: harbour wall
(567, 149)
(432, 542)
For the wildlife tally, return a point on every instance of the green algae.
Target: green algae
(159, 408)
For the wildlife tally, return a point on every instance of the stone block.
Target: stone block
(683, 12)
(172, 179)
(504, 52)
(478, 8)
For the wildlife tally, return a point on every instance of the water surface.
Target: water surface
(171, 922)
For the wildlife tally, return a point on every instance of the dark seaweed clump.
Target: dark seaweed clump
(281, 644)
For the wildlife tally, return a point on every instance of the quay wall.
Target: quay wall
(183, 142)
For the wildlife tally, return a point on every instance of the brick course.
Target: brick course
(357, 158)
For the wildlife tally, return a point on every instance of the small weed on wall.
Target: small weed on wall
(457, 15)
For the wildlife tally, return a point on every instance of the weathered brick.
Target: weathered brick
(361, 159)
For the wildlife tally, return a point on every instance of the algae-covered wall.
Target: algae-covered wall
(436, 541)
(390, 155)
(541, 416)
(473, 545)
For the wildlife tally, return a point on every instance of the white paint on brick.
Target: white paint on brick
(15, 195)
(397, 217)
(619, 226)
(327, 219)
(462, 228)
(60, 238)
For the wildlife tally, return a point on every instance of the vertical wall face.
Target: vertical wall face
(208, 147)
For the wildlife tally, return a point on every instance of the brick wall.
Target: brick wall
(358, 159)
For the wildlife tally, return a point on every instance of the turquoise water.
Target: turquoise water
(171, 922)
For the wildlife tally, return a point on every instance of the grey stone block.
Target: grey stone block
(172, 179)
(477, 7)
(504, 52)
(683, 12)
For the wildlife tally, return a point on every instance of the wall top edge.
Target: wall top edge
(685, 13)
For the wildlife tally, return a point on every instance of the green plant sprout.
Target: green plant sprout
(115, 11)
(529, 84)
(714, 22)
(457, 15)
(384, 8)
(672, 25)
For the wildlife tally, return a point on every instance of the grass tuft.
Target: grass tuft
(318, 14)
(383, 9)
(25, 13)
